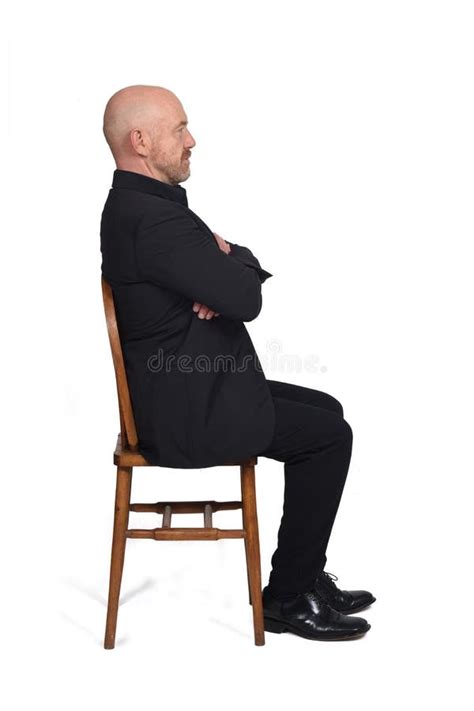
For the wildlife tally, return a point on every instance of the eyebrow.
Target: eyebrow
(181, 123)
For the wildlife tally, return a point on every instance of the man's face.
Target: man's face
(171, 145)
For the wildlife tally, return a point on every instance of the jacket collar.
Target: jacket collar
(145, 184)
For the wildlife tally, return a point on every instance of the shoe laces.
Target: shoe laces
(328, 580)
(317, 596)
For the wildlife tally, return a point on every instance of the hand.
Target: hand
(225, 246)
(204, 311)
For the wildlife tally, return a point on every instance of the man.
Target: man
(182, 294)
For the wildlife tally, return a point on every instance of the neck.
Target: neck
(143, 167)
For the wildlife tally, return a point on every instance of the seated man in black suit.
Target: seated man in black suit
(182, 294)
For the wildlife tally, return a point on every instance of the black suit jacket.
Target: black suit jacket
(198, 391)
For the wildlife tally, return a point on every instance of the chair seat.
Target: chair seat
(124, 457)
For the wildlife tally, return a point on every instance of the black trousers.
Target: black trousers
(314, 441)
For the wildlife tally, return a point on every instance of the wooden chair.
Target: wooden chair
(126, 456)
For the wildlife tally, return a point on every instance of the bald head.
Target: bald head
(146, 130)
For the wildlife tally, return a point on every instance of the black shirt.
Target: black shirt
(199, 395)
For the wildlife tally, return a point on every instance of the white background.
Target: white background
(335, 139)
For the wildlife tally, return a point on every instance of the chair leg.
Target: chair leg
(122, 508)
(244, 523)
(252, 549)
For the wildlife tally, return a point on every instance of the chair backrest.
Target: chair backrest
(128, 430)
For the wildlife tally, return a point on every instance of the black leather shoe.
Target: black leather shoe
(345, 601)
(308, 615)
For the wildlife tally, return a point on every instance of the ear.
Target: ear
(139, 141)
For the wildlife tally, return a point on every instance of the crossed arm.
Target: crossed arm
(175, 253)
(203, 311)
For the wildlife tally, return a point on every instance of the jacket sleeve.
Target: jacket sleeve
(173, 252)
(244, 255)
